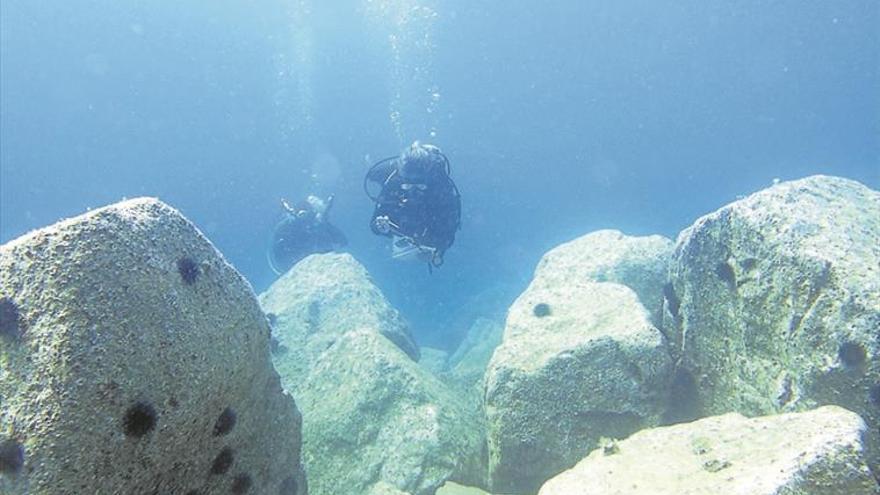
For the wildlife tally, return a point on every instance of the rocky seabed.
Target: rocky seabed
(741, 358)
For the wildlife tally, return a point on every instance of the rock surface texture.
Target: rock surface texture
(580, 360)
(776, 301)
(639, 263)
(134, 359)
(374, 420)
(814, 453)
(321, 298)
(456, 489)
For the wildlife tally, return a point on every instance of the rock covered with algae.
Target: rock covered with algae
(777, 301)
(580, 359)
(820, 452)
(374, 420)
(134, 359)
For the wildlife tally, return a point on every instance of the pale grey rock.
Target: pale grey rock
(580, 359)
(135, 359)
(587, 364)
(451, 488)
(776, 301)
(375, 422)
(812, 453)
(639, 263)
(320, 299)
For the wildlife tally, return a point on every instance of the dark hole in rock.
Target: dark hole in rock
(139, 419)
(874, 394)
(289, 487)
(851, 354)
(671, 299)
(222, 462)
(11, 457)
(9, 319)
(725, 273)
(188, 269)
(683, 401)
(272, 318)
(225, 423)
(241, 484)
(541, 310)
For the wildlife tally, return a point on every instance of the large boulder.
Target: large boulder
(639, 263)
(376, 422)
(813, 453)
(320, 299)
(579, 360)
(134, 359)
(776, 301)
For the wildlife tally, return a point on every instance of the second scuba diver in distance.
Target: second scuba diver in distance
(304, 230)
(418, 205)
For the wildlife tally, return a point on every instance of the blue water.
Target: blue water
(559, 118)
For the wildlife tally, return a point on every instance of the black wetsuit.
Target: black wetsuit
(298, 236)
(425, 207)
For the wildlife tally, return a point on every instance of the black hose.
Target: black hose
(370, 171)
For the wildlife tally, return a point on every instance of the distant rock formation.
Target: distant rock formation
(468, 363)
(134, 359)
(813, 453)
(580, 359)
(433, 360)
(777, 301)
(374, 421)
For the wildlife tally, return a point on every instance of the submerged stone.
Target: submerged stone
(556, 385)
(120, 382)
(819, 452)
(800, 329)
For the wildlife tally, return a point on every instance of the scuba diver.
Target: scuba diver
(304, 230)
(418, 205)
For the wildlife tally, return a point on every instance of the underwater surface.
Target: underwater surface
(558, 118)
